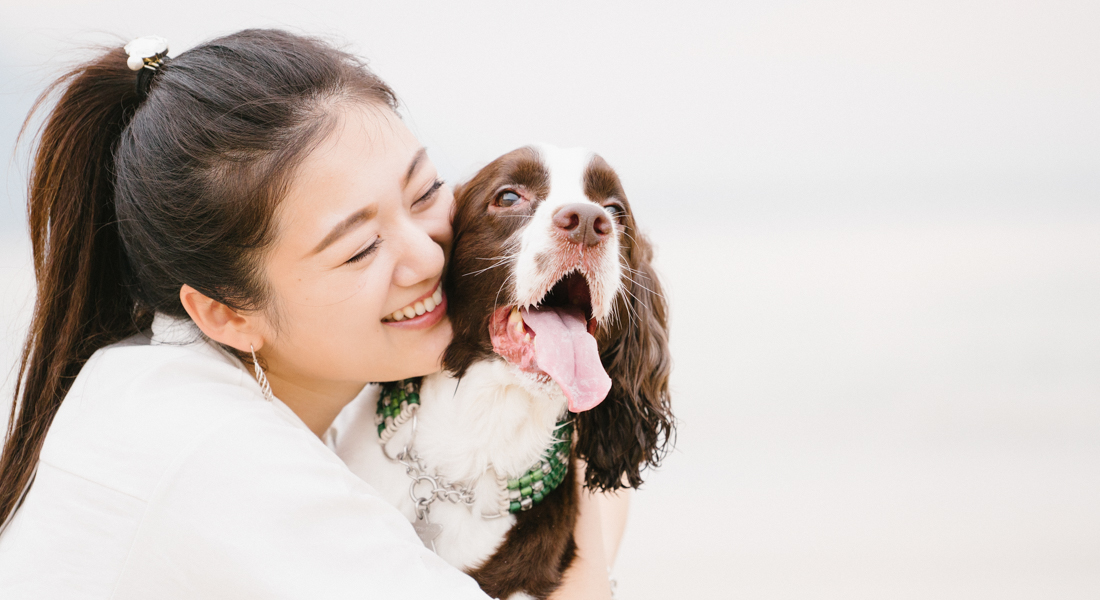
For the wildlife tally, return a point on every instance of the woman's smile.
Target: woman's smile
(422, 313)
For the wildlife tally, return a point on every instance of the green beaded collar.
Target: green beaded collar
(400, 400)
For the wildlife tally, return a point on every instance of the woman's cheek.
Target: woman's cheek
(442, 215)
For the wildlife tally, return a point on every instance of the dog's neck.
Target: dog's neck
(494, 416)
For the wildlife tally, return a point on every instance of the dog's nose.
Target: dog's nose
(583, 223)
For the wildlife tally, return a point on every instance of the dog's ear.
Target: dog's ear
(464, 348)
(632, 427)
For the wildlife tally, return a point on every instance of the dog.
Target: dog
(560, 353)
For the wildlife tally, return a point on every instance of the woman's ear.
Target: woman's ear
(219, 322)
(631, 428)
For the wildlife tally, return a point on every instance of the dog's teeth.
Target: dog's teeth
(527, 337)
(438, 295)
(419, 308)
(519, 327)
(429, 304)
(514, 316)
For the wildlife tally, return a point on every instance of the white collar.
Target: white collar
(173, 331)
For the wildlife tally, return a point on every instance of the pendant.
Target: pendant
(427, 531)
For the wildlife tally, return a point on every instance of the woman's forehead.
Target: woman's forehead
(364, 160)
(367, 147)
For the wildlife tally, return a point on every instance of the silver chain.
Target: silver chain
(426, 486)
(418, 472)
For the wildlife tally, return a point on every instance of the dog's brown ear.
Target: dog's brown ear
(465, 308)
(632, 427)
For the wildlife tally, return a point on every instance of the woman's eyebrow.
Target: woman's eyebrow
(366, 214)
(420, 154)
(356, 219)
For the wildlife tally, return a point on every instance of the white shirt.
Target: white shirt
(166, 474)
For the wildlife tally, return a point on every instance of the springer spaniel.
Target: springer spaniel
(559, 352)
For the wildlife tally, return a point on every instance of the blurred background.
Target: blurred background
(878, 225)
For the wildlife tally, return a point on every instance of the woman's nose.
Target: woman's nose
(421, 259)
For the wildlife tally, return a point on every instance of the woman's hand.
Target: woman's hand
(601, 520)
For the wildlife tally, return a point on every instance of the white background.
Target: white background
(878, 225)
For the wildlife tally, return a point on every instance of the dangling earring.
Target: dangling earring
(265, 387)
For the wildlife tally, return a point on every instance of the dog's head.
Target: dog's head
(549, 273)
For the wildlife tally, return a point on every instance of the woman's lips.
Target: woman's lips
(434, 299)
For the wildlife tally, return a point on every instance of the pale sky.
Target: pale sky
(733, 109)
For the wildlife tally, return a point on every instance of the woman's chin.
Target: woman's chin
(424, 353)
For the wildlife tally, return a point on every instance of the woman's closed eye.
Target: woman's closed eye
(366, 251)
(430, 194)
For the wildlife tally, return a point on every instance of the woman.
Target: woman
(253, 205)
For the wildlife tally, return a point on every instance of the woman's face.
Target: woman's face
(362, 234)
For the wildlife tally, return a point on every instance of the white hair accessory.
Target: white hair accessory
(146, 52)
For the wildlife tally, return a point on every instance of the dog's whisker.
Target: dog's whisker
(635, 318)
(627, 235)
(637, 283)
(637, 299)
(615, 316)
(501, 261)
(496, 300)
(659, 295)
(632, 314)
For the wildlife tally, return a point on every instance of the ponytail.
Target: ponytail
(83, 299)
(127, 204)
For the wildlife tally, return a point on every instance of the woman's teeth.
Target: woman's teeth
(417, 308)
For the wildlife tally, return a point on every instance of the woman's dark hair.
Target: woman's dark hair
(133, 195)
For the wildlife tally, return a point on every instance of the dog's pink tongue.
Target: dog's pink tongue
(568, 354)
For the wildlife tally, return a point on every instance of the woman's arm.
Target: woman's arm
(614, 508)
(600, 524)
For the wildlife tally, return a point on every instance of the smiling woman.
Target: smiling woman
(363, 232)
(251, 206)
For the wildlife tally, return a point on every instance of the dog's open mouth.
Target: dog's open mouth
(554, 339)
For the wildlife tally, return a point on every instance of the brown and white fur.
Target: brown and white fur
(570, 238)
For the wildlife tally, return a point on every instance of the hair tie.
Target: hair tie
(146, 55)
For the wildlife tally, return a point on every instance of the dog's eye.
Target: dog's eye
(615, 210)
(508, 198)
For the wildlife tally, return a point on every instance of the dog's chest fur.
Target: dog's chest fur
(491, 424)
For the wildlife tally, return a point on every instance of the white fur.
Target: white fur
(495, 422)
